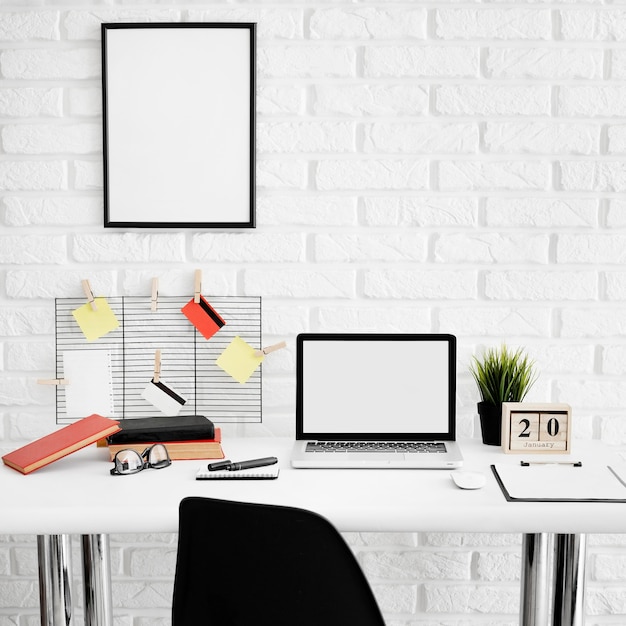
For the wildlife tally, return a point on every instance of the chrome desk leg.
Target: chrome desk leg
(97, 580)
(569, 580)
(55, 579)
(535, 587)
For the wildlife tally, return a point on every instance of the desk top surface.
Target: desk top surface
(77, 495)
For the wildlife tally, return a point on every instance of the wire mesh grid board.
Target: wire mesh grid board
(188, 360)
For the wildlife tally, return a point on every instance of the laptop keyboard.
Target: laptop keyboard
(376, 446)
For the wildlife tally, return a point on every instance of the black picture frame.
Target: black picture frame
(179, 124)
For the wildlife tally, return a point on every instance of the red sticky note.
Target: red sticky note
(204, 317)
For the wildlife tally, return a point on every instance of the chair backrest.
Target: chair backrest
(241, 564)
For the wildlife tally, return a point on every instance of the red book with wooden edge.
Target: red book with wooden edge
(179, 450)
(60, 443)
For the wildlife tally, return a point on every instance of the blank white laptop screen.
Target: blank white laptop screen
(375, 386)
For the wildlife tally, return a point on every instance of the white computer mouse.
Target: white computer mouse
(464, 479)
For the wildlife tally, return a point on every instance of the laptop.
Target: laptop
(376, 401)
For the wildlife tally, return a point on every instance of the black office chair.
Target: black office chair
(241, 564)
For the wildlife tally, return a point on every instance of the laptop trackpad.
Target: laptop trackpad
(373, 457)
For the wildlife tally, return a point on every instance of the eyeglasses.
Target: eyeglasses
(130, 461)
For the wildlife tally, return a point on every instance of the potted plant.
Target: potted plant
(502, 375)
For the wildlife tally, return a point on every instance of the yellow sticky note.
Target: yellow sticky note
(96, 324)
(239, 360)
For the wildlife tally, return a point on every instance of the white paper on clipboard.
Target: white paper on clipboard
(560, 482)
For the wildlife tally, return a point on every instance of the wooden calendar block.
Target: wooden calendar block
(532, 428)
(554, 428)
(524, 428)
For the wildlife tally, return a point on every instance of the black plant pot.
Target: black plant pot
(490, 423)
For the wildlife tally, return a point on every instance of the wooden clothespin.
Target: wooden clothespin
(53, 381)
(89, 294)
(157, 367)
(154, 300)
(197, 286)
(276, 346)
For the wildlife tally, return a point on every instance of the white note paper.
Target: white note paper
(90, 386)
(164, 398)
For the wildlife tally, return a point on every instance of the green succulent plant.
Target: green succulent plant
(503, 375)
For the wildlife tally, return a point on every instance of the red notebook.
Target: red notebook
(60, 443)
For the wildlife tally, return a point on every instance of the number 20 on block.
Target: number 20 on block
(536, 428)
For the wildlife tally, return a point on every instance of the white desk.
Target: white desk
(77, 495)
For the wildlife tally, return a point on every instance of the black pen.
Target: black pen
(220, 465)
(232, 467)
(268, 460)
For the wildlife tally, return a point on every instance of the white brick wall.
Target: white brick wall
(429, 167)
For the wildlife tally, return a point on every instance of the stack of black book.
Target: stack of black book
(184, 436)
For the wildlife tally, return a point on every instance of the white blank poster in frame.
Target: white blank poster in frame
(179, 117)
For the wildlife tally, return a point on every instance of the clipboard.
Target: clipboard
(561, 483)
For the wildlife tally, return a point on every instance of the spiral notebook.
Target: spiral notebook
(267, 472)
